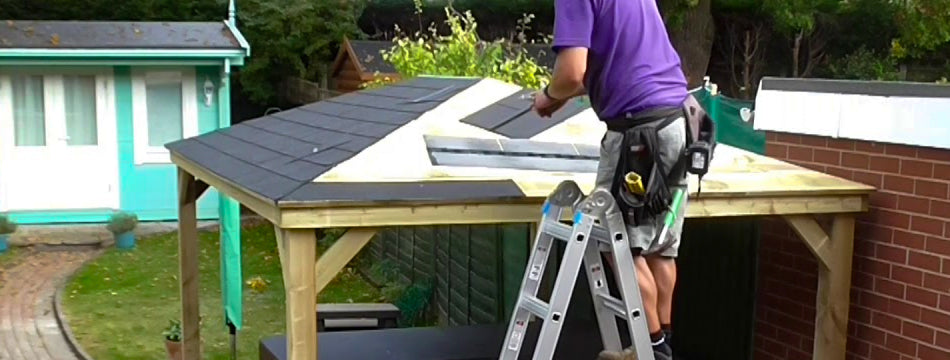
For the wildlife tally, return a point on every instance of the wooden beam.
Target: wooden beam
(521, 212)
(337, 256)
(834, 292)
(298, 259)
(200, 187)
(260, 205)
(814, 236)
(188, 262)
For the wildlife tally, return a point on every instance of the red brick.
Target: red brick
(937, 319)
(880, 353)
(913, 204)
(855, 161)
(917, 168)
(868, 146)
(871, 179)
(946, 266)
(918, 332)
(862, 280)
(891, 253)
(883, 199)
(777, 151)
(874, 232)
(908, 239)
(907, 275)
(933, 154)
(841, 144)
(814, 141)
(942, 172)
(800, 153)
(885, 164)
(886, 321)
(891, 218)
(904, 309)
(769, 136)
(899, 184)
(900, 150)
(839, 172)
(940, 208)
(923, 261)
(944, 302)
(858, 349)
(925, 352)
(829, 157)
(790, 138)
(943, 340)
(922, 296)
(927, 225)
(938, 246)
(931, 188)
(814, 167)
(938, 283)
(888, 287)
(876, 267)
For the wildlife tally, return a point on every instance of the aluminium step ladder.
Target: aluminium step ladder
(591, 214)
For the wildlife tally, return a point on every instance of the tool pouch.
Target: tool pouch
(640, 154)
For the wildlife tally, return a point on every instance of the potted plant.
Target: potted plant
(122, 225)
(173, 340)
(7, 227)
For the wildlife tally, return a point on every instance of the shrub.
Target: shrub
(463, 53)
(7, 226)
(122, 222)
(173, 331)
(864, 64)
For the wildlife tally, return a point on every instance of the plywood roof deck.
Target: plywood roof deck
(378, 158)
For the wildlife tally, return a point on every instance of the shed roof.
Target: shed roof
(27, 34)
(442, 140)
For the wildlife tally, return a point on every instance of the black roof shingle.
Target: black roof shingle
(277, 156)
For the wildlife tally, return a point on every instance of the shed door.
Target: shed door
(58, 148)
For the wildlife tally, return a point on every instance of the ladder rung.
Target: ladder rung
(535, 306)
(563, 231)
(613, 304)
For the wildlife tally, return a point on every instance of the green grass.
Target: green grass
(118, 305)
(9, 257)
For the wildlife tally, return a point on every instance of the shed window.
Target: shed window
(29, 115)
(165, 108)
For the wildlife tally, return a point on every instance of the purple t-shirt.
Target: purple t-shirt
(631, 64)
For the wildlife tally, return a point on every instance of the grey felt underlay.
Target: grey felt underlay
(875, 88)
(117, 35)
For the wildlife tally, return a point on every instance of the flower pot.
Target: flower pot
(4, 240)
(125, 240)
(173, 348)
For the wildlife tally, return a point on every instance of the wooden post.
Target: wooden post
(834, 292)
(188, 262)
(298, 252)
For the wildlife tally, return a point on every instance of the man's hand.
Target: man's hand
(545, 106)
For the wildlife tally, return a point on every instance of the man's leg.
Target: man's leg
(664, 273)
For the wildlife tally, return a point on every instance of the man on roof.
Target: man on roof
(619, 54)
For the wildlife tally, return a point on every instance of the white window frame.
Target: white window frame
(144, 153)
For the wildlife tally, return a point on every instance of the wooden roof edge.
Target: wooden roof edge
(346, 51)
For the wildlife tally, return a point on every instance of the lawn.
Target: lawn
(9, 257)
(118, 305)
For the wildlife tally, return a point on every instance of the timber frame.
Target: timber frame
(305, 275)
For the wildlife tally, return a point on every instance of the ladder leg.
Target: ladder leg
(564, 287)
(627, 280)
(599, 290)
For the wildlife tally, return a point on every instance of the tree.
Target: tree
(292, 38)
(462, 53)
(808, 25)
(692, 32)
(924, 25)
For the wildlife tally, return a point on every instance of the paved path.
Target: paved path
(28, 327)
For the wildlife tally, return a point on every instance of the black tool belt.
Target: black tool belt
(640, 154)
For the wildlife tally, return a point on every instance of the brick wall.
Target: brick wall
(900, 291)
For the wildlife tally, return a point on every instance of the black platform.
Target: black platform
(477, 342)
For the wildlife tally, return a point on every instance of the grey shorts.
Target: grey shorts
(672, 143)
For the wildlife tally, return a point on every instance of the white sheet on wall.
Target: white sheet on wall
(901, 120)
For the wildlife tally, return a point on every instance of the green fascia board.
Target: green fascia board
(236, 56)
(240, 38)
(30, 61)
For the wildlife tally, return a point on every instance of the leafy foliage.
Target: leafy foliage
(924, 25)
(865, 64)
(7, 225)
(463, 53)
(173, 331)
(122, 222)
(292, 38)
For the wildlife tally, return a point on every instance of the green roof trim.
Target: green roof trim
(240, 37)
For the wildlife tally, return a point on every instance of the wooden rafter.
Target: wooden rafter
(341, 253)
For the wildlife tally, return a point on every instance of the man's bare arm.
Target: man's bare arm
(567, 80)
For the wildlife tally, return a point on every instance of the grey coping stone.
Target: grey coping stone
(403, 191)
(875, 88)
(116, 35)
(515, 162)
